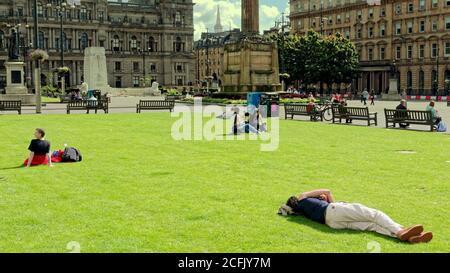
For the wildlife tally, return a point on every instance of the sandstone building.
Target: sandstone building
(411, 35)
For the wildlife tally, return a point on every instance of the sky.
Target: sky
(205, 14)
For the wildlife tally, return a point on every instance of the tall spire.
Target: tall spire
(218, 27)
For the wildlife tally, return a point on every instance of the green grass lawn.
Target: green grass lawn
(137, 190)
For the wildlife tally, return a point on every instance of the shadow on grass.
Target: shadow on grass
(12, 168)
(326, 229)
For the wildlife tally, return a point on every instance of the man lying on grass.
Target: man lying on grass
(319, 206)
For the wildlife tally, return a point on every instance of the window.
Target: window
(101, 16)
(447, 49)
(117, 66)
(136, 66)
(382, 53)
(359, 14)
(409, 80)
(153, 68)
(152, 45)
(421, 80)
(40, 10)
(398, 8)
(410, 52)
(370, 54)
(398, 28)
(421, 51)
(410, 7)
(84, 41)
(83, 13)
(116, 43)
(41, 40)
(133, 43)
(433, 50)
(422, 26)
(370, 12)
(359, 32)
(410, 27)
(370, 32)
(136, 81)
(421, 5)
(434, 3)
(382, 30)
(398, 52)
(178, 45)
(447, 22)
(382, 12)
(434, 25)
(118, 82)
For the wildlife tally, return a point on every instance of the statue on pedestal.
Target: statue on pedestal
(13, 48)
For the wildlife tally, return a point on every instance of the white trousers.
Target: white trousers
(359, 217)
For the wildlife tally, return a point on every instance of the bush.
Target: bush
(230, 95)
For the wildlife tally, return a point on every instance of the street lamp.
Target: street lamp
(62, 7)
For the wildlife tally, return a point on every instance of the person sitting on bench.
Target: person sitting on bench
(39, 150)
(319, 206)
(311, 108)
(434, 113)
(402, 106)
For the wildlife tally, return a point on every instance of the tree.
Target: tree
(313, 58)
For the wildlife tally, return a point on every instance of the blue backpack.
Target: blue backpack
(442, 127)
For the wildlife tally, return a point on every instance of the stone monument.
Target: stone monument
(15, 76)
(250, 63)
(95, 71)
(393, 85)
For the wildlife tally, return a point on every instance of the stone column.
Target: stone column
(250, 16)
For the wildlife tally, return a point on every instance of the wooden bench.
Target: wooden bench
(395, 116)
(301, 110)
(11, 105)
(354, 113)
(155, 105)
(88, 105)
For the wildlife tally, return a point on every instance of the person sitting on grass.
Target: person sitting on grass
(39, 150)
(242, 127)
(319, 206)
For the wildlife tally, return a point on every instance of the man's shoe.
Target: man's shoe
(407, 233)
(422, 238)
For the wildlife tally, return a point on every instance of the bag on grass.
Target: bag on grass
(442, 127)
(71, 155)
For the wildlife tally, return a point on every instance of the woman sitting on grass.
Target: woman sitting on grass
(319, 206)
(39, 150)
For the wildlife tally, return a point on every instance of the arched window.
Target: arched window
(152, 45)
(41, 40)
(447, 80)
(178, 45)
(133, 43)
(116, 43)
(2, 39)
(409, 81)
(84, 41)
(421, 81)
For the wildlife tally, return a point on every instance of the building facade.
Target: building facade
(209, 52)
(143, 39)
(410, 36)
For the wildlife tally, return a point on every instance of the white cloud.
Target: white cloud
(230, 10)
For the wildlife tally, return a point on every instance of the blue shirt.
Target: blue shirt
(313, 209)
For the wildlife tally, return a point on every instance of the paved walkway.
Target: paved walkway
(128, 105)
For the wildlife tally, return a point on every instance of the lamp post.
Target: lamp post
(37, 73)
(437, 71)
(61, 8)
